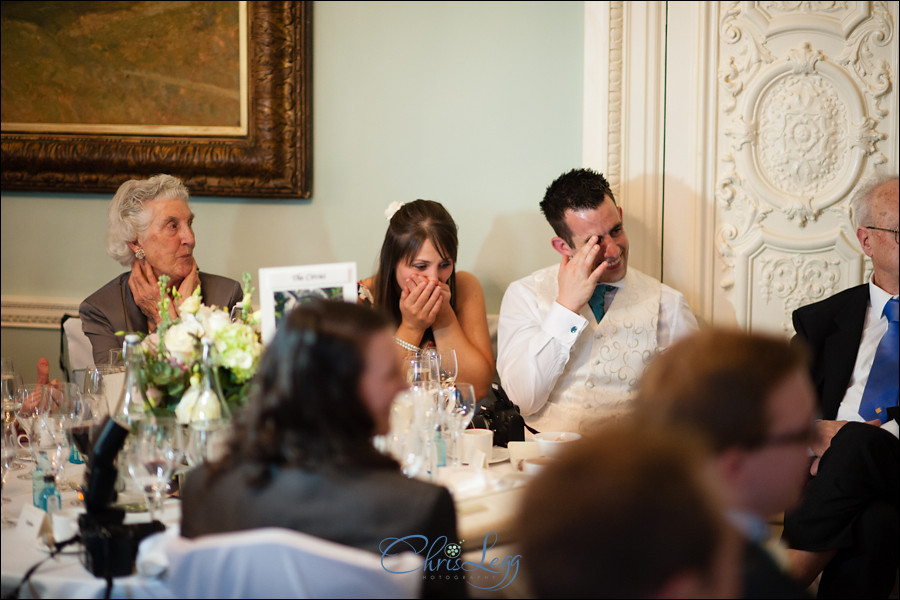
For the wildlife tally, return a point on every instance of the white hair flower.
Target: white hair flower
(392, 208)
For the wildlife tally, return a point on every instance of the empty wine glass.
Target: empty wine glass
(11, 403)
(153, 456)
(460, 409)
(446, 362)
(10, 446)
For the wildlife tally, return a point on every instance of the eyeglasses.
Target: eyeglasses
(896, 232)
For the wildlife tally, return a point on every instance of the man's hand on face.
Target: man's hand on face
(578, 277)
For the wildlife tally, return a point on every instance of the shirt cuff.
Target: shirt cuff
(893, 427)
(564, 325)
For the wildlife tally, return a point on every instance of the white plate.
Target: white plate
(499, 454)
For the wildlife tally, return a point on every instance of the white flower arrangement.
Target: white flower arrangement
(172, 355)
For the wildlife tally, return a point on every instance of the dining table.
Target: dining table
(486, 499)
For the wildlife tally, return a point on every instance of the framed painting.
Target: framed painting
(221, 97)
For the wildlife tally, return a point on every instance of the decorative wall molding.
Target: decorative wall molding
(614, 102)
(35, 312)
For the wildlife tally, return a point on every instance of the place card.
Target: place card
(283, 288)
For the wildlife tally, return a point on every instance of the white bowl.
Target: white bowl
(536, 464)
(551, 443)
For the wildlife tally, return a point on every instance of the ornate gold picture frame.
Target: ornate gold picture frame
(273, 159)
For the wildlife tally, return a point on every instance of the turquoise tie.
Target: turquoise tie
(882, 387)
(597, 301)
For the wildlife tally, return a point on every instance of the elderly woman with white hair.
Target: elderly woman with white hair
(150, 230)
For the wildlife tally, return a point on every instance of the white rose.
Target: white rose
(185, 407)
(190, 305)
(213, 321)
(181, 340)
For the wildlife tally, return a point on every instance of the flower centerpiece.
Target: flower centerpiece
(171, 371)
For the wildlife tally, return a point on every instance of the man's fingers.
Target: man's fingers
(43, 371)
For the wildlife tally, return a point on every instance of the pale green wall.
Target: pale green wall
(475, 104)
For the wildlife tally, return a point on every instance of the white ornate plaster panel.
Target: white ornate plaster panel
(834, 18)
(803, 135)
(775, 275)
(798, 131)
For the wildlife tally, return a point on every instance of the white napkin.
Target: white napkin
(463, 482)
(151, 558)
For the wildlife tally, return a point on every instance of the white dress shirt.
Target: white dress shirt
(875, 326)
(536, 336)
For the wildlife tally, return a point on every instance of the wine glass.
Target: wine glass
(460, 409)
(31, 404)
(10, 446)
(48, 442)
(153, 456)
(447, 366)
(10, 391)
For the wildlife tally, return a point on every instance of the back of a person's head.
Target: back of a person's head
(717, 381)
(622, 514)
(306, 409)
(578, 189)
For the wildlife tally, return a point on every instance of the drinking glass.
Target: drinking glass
(31, 405)
(205, 441)
(460, 409)
(104, 382)
(153, 456)
(11, 403)
(10, 446)
(48, 442)
(405, 440)
(446, 362)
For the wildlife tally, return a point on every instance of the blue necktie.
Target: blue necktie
(881, 387)
(597, 301)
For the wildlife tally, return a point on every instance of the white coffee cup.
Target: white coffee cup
(519, 451)
(477, 446)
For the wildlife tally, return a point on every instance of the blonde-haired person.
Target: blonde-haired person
(418, 285)
(150, 231)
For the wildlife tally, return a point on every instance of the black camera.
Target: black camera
(498, 413)
(110, 545)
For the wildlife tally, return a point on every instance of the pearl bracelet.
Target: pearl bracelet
(406, 345)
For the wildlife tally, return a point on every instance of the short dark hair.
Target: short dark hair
(718, 381)
(579, 189)
(306, 410)
(409, 228)
(623, 510)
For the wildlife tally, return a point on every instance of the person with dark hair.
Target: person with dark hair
(150, 230)
(573, 338)
(749, 396)
(628, 511)
(429, 300)
(848, 524)
(301, 455)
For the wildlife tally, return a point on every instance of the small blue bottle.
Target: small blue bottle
(37, 485)
(440, 448)
(75, 456)
(50, 499)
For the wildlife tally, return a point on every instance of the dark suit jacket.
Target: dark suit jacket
(356, 507)
(112, 308)
(761, 576)
(832, 328)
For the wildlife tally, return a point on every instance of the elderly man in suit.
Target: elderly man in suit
(847, 528)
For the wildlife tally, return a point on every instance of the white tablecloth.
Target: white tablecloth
(485, 517)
